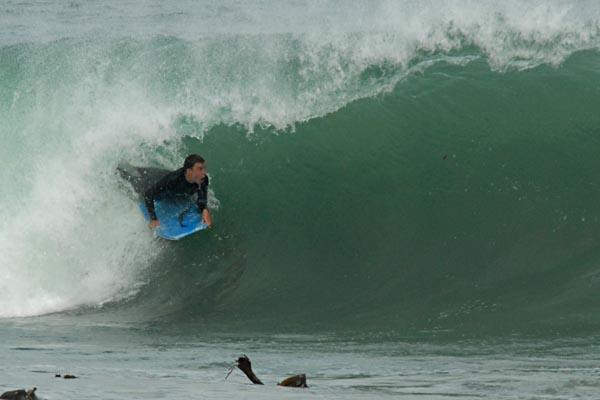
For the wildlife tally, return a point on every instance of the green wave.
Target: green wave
(433, 193)
(463, 201)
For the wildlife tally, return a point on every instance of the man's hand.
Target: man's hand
(206, 217)
(154, 223)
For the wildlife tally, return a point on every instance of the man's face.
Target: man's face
(198, 172)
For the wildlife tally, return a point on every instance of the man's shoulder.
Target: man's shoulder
(169, 179)
(177, 174)
(204, 184)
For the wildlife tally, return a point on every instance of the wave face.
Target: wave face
(374, 165)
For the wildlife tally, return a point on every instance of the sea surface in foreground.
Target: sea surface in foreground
(114, 362)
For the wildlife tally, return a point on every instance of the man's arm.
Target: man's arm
(151, 193)
(203, 202)
(149, 200)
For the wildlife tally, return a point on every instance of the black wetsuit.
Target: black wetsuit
(174, 185)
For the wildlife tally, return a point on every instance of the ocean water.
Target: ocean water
(404, 196)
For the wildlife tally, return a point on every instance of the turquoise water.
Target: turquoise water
(116, 362)
(408, 188)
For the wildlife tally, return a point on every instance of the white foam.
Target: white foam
(75, 237)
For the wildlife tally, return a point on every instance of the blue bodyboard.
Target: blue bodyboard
(177, 219)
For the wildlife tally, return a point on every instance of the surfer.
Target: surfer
(187, 181)
(244, 364)
(21, 394)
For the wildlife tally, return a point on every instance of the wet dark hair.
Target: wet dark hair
(191, 160)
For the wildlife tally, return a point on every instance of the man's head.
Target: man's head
(194, 167)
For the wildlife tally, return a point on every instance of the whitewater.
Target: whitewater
(404, 196)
